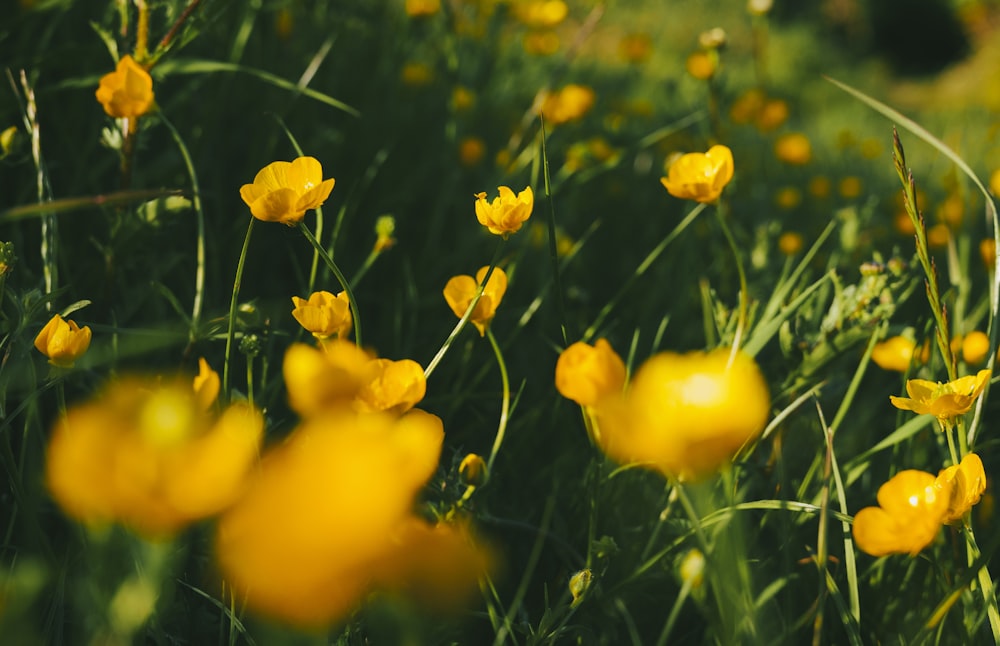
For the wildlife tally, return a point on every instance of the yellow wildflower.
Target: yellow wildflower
(283, 191)
(472, 470)
(149, 456)
(912, 506)
(772, 114)
(700, 176)
(63, 342)
(569, 103)
(635, 48)
(587, 373)
(206, 385)
(396, 386)
(422, 8)
(324, 315)
(943, 401)
(541, 13)
(471, 150)
(541, 43)
(703, 64)
(898, 353)
(128, 91)
(385, 226)
(975, 347)
(793, 148)
(966, 482)
(460, 291)
(995, 182)
(988, 252)
(850, 187)
(317, 379)
(790, 243)
(506, 213)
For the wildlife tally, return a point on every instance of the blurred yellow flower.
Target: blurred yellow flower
(820, 187)
(793, 148)
(128, 91)
(567, 104)
(790, 243)
(63, 342)
(471, 150)
(422, 8)
(385, 226)
(943, 401)
(283, 191)
(898, 353)
(988, 252)
(686, 415)
(460, 291)
(329, 518)
(147, 455)
(635, 48)
(772, 114)
(323, 314)
(540, 13)
(975, 347)
(206, 385)
(396, 386)
(588, 373)
(317, 379)
(747, 106)
(703, 64)
(912, 506)
(938, 236)
(700, 176)
(850, 187)
(995, 182)
(966, 482)
(541, 43)
(507, 212)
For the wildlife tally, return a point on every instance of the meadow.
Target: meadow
(498, 321)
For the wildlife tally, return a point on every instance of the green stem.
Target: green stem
(741, 320)
(344, 284)
(553, 246)
(232, 308)
(505, 403)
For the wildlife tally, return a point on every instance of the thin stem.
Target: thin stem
(344, 284)
(142, 31)
(553, 246)
(232, 308)
(176, 27)
(741, 320)
(250, 380)
(505, 402)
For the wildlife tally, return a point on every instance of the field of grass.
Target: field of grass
(568, 323)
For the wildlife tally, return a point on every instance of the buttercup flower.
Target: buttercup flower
(63, 342)
(460, 291)
(944, 401)
(567, 104)
(541, 13)
(318, 379)
(397, 386)
(507, 212)
(283, 191)
(329, 518)
(587, 373)
(897, 353)
(422, 8)
(700, 176)
(966, 482)
(793, 148)
(685, 415)
(912, 506)
(323, 314)
(975, 347)
(206, 385)
(147, 455)
(128, 91)
(472, 470)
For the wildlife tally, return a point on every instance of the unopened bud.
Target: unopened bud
(472, 470)
(579, 583)
(692, 569)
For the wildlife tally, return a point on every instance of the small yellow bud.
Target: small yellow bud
(579, 583)
(692, 569)
(385, 226)
(472, 470)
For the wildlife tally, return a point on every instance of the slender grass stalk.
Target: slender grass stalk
(553, 247)
(344, 283)
(741, 318)
(232, 308)
(675, 611)
(505, 401)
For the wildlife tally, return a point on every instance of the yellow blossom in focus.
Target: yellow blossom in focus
(702, 64)
(793, 148)
(396, 386)
(323, 314)
(588, 373)
(912, 507)
(329, 518)
(988, 252)
(63, 342)
(790, 243)
(898, 353)
(206, 385)
(461, 290)
(943, 401)
(422, 8)
(579, 583)
(149, 456)
(568, 103)
(283, 191)
(541, 13)
(700, 176)
(975, 347)
(318, 379)
(966, 482)
(128, 91)
(686, 415)
(385, 226)
(506, 213)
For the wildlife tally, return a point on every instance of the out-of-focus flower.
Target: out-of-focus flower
(793, 148)
(700, 176)
(903, 224)
(966, 481)
(329, 518)
(416, 74)
(506, 213)
(147, 455)
(759, 7)
(283, 191)
(568, 103)
(472, 470)
(7, 138)
(790, 243)
(385, 226)
(995, 183)
(284, 23)
(318, 379)
(460, 291)
(323, 314)
(541, 13)
(63, 342)
(898, 353)
(820, 187)
(850, 187)
(988, 252)
(912, 506)
(951, 211)
(975, 346)
(747, 106)
(462, 98)
(206, 385)
(541, 43)
(714, 38)
(703, 64)
(471, 150)
(772, 114)
(692, 568)
(944, 401)
(128, 91)
(635, 48)
(422, 8)
(396, 386)
(788, 197)
(938, 236)
(685, 415)
(588, 373)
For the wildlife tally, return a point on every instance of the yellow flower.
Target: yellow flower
(507, 212)
(636, 47)
(63, 342)
(541, 13)
(206, 385)
(703, 64)
(460, 291)
(988, 252)
(397, 386)
(329, 518)
(790, 243)
(126, 92)
(283, 191)
(793, 148)
(943, 401)
(588, 373)
(317, 379)
(147, 455)
(911, 508)
(966, 482)
(567, 104)
(700, 176)
(898, 353)
(686, 415)
(773, 113)
(975, 347)
(471, 150)
(385, 226)
(324, 315)
(422, 8)
(472, 470)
